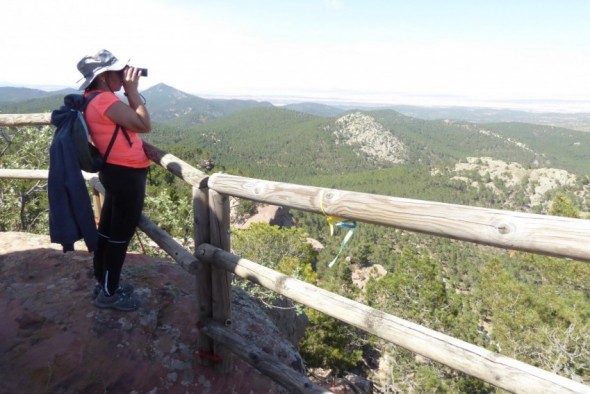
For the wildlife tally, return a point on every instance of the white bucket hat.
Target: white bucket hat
(92, 66)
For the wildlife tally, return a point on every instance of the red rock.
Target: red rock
(52, 338)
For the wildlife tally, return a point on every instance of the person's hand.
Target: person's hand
(131, 77)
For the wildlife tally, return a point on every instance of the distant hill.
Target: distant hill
(316, 109)
(577, 121)
(166, 104)
(25, 100)
(13, 94)
(36, 105)
(172, 105)
(283, 144)
(270, 140)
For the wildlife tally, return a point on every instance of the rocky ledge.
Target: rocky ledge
(54, 340)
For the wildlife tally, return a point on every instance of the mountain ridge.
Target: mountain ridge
(193, 109)
(296, 142)
(14, 94)
(168, 103)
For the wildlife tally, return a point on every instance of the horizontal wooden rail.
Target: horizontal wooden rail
(42, 119)
(550, 235)
(265, 363)
(501, 371)
(43, 174)
(183, 257)
(23, 174)
(178, 167)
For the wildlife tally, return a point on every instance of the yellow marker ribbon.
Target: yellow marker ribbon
(337, 221)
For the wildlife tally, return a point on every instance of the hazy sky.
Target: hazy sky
(411, 51)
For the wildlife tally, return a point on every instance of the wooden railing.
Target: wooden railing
(211, 262)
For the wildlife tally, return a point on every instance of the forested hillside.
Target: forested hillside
(276, 143)
(285, 145)
(533, 308)
(553, 146)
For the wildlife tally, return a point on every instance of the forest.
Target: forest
(530, 307)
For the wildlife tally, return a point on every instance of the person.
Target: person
(124, 173)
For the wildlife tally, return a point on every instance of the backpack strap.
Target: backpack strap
(124, 130)
(114, 137)
(88, 100)
(117, 128)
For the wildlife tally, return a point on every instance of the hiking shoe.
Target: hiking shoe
(126, 288)
(119, 301)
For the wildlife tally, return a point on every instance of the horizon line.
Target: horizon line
(560, 105)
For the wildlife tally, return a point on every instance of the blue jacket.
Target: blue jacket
(70, 210)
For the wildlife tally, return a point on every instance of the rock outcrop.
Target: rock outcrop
(271, 214)
(536, 182)
(54, 340)
(369, 138)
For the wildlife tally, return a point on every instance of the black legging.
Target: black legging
(123, 203)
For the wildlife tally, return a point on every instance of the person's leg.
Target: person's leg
(127, 188)
(99, 268)
(97, 260)
(104, 225)
(103, 235)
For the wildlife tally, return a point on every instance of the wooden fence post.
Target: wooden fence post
(220, 278)
(97, 202)
(203, 274)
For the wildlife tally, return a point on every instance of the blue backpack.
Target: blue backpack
(69, 119)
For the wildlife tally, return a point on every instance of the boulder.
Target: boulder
(271, 214)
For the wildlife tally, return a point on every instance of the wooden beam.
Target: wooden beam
(501, 371)
(23, 174)
(202, 234)
(543, 234)
(183, 257)
(264, 362)
(178, 167)
(97, 203)
(17, 120)
(219, 216)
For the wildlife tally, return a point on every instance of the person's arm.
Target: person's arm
(134, 116)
